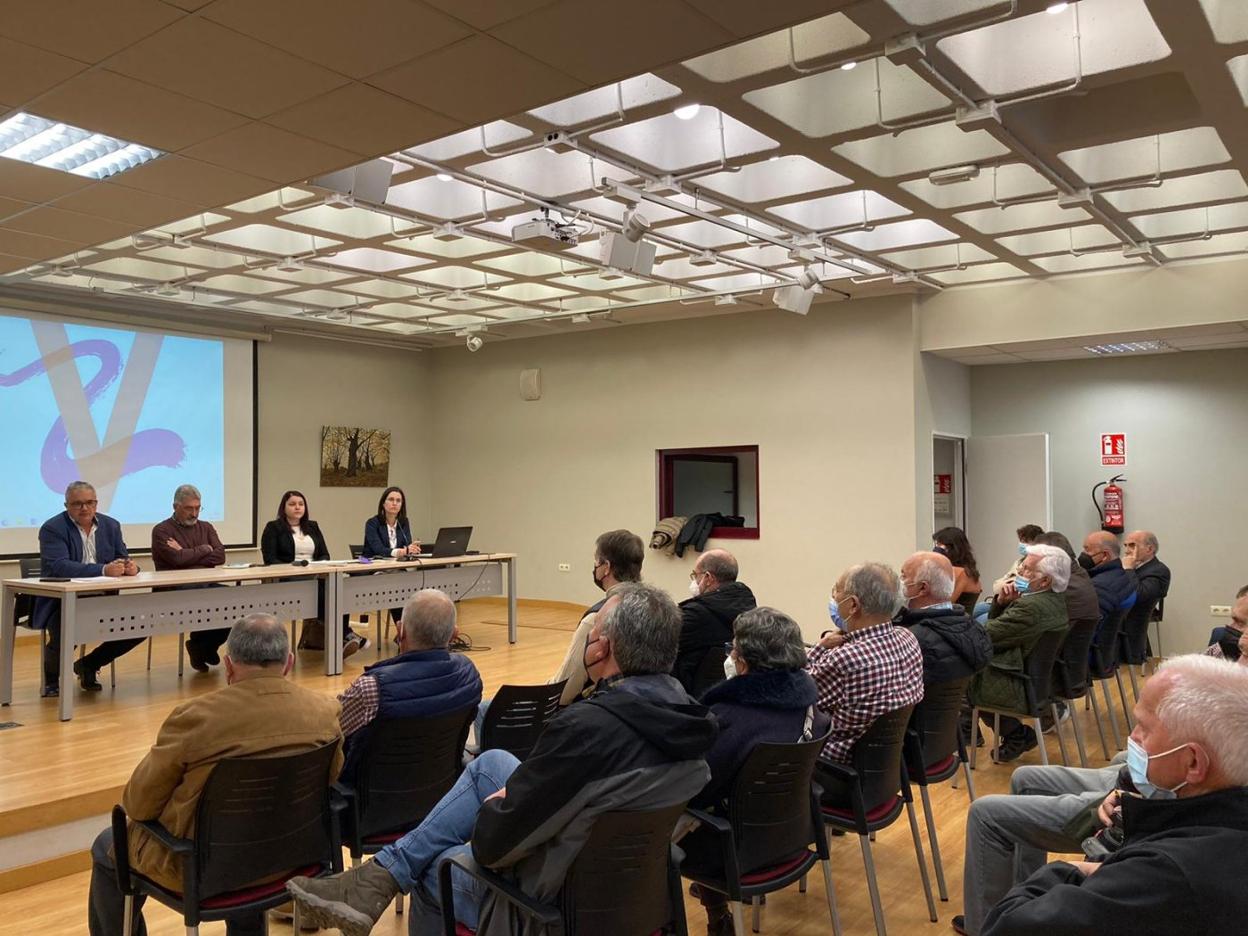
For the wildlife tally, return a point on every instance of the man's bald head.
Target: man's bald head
(714, 568)
(1101, 545)
(1140, 546)
(428, 621)
(927, 579)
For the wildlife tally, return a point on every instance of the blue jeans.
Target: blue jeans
(413, 860)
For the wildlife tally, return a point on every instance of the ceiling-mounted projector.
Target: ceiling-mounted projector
(544, 226)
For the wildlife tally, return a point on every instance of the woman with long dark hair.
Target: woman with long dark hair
(388, 534)
(953, 544)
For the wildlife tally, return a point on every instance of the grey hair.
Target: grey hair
(768, 639)
(939, 581)
(258, 640)
(186, 492)
(428, 620)
(644, 629)
(1208, 703)
(720, 565)
(1150, 540)
(78, 486)
(876, 586)
(1054, 564)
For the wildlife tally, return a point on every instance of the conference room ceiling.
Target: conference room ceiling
(885, 146)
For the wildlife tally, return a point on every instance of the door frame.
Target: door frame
(959, 476)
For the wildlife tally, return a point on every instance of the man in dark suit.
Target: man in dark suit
(79, 543)
(1152, 583)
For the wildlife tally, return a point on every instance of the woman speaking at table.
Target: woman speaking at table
(295, 537)
(388, 535)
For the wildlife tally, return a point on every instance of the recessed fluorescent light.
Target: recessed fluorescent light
(443, 177)
(1129, 347)
(1054, 8)
(688, 111)
(849, 66)
(43, 142)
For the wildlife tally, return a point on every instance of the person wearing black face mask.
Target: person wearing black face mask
(1115, 589)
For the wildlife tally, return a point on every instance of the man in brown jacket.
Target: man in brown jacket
(259, 712)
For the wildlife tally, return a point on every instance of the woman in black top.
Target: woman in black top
(294, 536)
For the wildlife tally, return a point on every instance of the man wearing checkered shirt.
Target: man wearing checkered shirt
(868, 666)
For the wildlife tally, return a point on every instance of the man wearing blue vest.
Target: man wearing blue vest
(424, 681)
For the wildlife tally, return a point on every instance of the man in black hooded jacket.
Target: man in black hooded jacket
(954, 647)
(707, 617)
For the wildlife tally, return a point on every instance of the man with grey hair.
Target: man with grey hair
(1188, 759)
(186, 542)
(425, 680)
(1151, 578)
(260, 712)
(1028, 608)
(954, 647)
(637, 743)
(706, 618)
(866, 667)
(79, 543)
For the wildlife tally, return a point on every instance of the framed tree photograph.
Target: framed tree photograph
(354, 457)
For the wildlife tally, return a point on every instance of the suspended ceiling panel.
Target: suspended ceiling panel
(979, 273)
(602, 102)
(1018, 217)
(779, 177)
(834, 211)
(927, 12)
(1064, 240)
(805, 42)
(1221, 185)
(1228, 19)
(670, 144)
(994, 183)
(921, 149)
(1147, 157)
(1193, 220)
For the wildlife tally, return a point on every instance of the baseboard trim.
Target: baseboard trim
(39, 872)
(534, 603)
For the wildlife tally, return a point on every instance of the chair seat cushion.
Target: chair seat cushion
(942, 769)
(882, 813)
(257, 891)
(461, 930)
(763, 875)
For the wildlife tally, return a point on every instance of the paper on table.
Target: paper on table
(92, 579)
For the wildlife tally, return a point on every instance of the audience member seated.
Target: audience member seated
(1232, 643)
(768, 696)
(1188, 758)
(79, 543)
(259, 712)
(952, 543)
(618, 555)
(954, 647)
(1025, 610)
(866, 667)
(424, 681)
(186, 542)
(293, 536)
(1115, 591)
(637, 743)
(1151, 578)
(388, 535)
(1027, 534)
(1080, 595)
(706, 618)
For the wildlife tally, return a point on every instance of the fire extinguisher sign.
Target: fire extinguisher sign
(1113, 448)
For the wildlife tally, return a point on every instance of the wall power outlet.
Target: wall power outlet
(567, 567)
(1220, 610)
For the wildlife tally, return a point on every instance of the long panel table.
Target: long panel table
(95, 611)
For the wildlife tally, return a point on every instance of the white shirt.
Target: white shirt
(88, 543)
(394, 535)
(304, 547)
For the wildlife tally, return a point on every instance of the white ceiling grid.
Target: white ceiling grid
(808, 147)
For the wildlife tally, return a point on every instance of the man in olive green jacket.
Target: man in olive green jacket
(1026, 610)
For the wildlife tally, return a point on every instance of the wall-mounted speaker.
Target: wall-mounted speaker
(531, 384)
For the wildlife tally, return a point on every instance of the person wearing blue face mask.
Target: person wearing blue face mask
(1188, 757)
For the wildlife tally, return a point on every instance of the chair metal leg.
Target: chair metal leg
(1057, 730)
(918, 854)
(1122, 694)
(931, 839)
(181, 651)
(1074, 724)
(996, 737)
(738, 918)
(827, 886)
(1113, 717)
(801, 885)
(758, 912)
(127, 922)
(970, 783)
(974, 740)
(1135, 684)
(194, 930)
(149, 653)
(1044, 748)
(873, 887)
(1100, 728)
(112, 674)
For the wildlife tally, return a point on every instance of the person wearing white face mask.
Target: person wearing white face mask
(706, 618)
(1188, 757)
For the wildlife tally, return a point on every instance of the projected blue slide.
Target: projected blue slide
(136, 413)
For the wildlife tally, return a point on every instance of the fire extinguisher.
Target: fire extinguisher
(1112, 515)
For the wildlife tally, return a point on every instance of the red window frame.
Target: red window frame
(665, 459)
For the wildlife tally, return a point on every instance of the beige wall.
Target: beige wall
(827, 398)
(1186, 426)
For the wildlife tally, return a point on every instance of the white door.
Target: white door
(1007, 484)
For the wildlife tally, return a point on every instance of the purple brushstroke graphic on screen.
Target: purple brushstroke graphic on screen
(148, 448)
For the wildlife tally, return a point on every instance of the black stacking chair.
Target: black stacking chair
(1070, 682)
(1037, 678)
(1103, 664)
(517, 716)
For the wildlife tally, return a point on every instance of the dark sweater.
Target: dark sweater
(201, 547)
(706, 622)
(954, 647)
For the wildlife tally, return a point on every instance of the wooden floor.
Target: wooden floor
(49, 768)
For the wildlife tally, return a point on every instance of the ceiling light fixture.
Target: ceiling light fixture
(627, 250)
(474, 343)
(687, 111)
(1129, 347)
(43, 142)
(953, 175)
(445, 177)
(447, 232)
(797, 298)
(1054, 8)
(579, 319)
(849, 66)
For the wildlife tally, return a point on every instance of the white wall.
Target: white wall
(942, 404)
(1187, 443)
(827, 398)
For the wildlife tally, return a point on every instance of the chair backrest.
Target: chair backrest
(621, 882)
(1070, 671)
(31, 566)
(357, 550)
(968, 601)
(935, 724)
(259, 817)
(877, 757)
(407, 766)
(710, 672)
(1038, 670)
(1103, 659)
(1133, 638)
(518, 715)
(770, 807)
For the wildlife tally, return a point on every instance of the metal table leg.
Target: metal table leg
(511, 600)
(8, 641)
(69, 638)
(333, 624)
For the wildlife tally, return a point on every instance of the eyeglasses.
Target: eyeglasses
(79, 505)
(693, 576)
(729, 647)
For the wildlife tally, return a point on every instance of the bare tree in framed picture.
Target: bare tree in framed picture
(354, 457)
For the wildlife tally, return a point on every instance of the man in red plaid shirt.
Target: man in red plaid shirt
(867, 666)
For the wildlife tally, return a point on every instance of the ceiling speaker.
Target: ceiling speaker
(531, 384)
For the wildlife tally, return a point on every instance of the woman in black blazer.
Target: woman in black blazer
(278, 545)
(391, 521)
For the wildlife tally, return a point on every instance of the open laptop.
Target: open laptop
(451, 541)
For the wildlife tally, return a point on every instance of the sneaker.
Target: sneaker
(353, 643)
(86, 676)
(1016, 745)
(959, 924)
(1047, 724)
(50, 692)
(352, 902)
